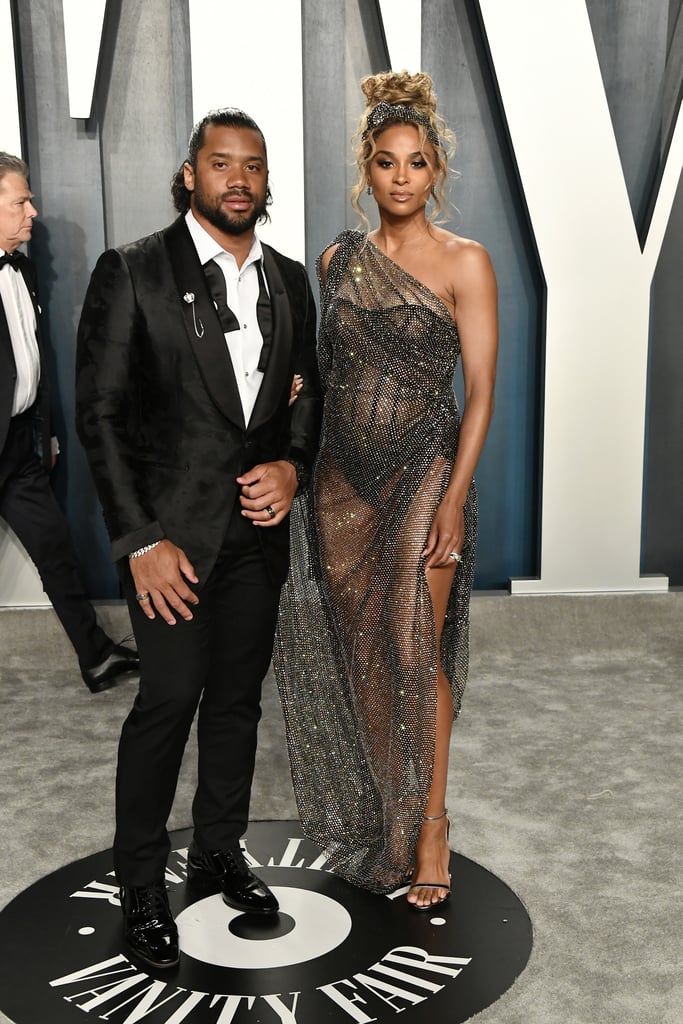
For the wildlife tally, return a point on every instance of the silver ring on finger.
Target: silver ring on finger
(271, 511)
(456, 556)
(142, 597)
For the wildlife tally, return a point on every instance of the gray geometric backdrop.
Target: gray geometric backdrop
(104, 182)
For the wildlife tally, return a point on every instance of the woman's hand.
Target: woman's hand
(446, 535)
(297, 384)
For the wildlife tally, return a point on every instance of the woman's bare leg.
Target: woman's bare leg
(432, 853)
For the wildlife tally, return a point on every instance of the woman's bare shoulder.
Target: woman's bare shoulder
(463, 258)
(457, 247)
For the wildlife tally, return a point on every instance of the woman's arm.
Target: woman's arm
(474, 287)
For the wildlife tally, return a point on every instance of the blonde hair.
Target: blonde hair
(414, 93)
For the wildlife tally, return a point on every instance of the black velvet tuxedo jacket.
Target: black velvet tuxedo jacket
(8, 369)
(157, 406)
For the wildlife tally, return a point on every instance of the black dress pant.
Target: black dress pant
(219, 658)
(29, 506)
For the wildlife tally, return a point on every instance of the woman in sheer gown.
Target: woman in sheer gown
(372, 650)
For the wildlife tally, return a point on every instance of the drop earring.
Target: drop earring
(369, 190)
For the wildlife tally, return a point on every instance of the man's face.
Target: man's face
(230, 182)
(16, 211)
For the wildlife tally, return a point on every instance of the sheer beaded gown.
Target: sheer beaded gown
(355, 654)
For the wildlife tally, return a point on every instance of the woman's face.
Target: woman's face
(400, 172)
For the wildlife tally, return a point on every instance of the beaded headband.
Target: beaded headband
(391, 112)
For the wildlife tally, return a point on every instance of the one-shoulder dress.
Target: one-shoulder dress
(355, 656)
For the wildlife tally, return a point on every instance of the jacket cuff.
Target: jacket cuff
(122, 546)
(301, 465)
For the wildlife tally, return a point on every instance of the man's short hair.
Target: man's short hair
(12, 165)
(227, 117)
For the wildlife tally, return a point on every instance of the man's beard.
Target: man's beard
(216, 215)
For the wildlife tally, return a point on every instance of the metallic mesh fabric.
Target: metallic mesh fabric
(355, 655)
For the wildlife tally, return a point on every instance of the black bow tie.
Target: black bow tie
(264, 316)
(219, 293)
(10, 259)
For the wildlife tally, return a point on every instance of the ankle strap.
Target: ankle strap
(436, 817)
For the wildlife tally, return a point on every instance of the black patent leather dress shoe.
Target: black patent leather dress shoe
(150, 930)
(228, 870)
(118, 662)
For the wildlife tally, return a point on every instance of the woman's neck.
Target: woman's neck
(395, 233)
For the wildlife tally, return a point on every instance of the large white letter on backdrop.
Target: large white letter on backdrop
(10, 138)
(83, 24)
(598, 293)
(263, 78)
(402, 24)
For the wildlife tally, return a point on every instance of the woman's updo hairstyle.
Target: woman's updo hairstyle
(397, 97)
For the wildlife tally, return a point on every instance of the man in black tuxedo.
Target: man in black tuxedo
(188, 344)
(27, 501)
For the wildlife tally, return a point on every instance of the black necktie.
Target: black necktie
(10, 259)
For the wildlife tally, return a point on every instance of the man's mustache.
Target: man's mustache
(238, 193)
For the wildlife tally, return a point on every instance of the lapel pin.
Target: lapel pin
(188, 297)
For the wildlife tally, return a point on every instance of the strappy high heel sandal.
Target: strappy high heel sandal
(434, 885)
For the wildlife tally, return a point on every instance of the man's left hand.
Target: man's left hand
(268, 492)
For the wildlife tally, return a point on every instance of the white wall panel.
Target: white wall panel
(20, 585)
(83, 20)
(10, 138)
(402, 20)
(251, 58)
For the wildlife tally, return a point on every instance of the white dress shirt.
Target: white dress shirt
(21, 320)
(242, 283)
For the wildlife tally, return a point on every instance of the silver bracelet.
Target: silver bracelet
(142, 550)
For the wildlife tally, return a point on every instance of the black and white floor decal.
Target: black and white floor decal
(334, 953)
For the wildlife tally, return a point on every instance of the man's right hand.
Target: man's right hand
(161, 575)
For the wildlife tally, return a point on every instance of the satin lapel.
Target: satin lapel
(5, 339)
(201, 323)
(28, 273)
(270, 392)
(25, 272)
(7, 373)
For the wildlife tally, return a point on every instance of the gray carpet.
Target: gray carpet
(565, 781)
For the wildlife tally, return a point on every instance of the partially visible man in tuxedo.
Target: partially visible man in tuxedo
(188, 345)
(27, 501)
